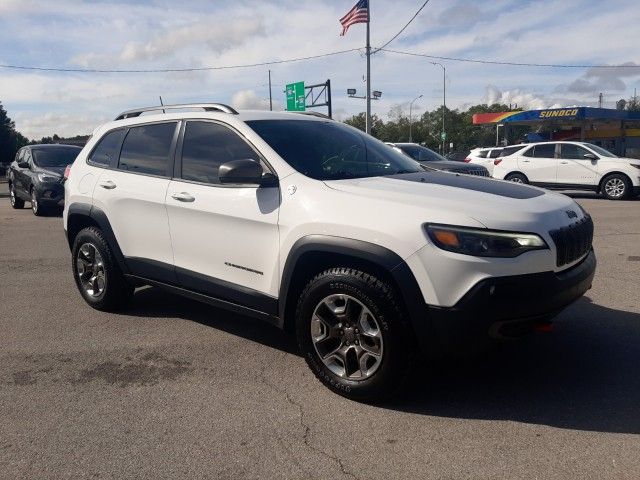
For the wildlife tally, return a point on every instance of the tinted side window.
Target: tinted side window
(483, 153)
(528, 152)
(546, 150)
(495, 153)
(575, 152)
(509, 151)
(107, 148)
(146, 149)
(411, 151)
(208, 145)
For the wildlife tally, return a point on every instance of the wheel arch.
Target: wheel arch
(313, 254)
(80, 216)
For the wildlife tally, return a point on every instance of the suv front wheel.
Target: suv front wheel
(353, 334)
(97, 275)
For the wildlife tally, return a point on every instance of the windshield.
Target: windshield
(55, 157)
(331, 150)
(602, 151)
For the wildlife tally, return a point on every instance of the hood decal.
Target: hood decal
(471, 182)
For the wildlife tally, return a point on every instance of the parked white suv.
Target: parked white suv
(320, 229)
(484, 156)
(572, 166)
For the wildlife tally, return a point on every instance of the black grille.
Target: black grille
(481, 172)
(573, 241)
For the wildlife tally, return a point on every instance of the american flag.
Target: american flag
(358, 14)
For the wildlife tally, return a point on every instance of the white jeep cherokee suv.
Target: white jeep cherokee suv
(320, 229)
(571, 166)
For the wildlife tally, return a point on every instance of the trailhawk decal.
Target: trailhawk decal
(471, 182)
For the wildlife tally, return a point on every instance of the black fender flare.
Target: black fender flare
(96, 216)
(389, 261)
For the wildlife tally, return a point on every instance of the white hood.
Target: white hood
(495, 204)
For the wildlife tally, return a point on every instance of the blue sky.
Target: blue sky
(158, 34)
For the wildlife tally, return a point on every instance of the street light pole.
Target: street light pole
(444, 98)
(410, 123)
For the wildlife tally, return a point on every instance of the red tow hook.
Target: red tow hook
(543, 327)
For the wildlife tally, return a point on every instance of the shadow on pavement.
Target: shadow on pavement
(584, 376)
(154, 302)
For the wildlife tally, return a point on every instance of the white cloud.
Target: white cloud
(519, 97)
(250, 100)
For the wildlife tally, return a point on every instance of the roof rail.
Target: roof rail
(207, 107)
(316, 114)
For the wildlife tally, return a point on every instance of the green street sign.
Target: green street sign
(443, 136)
(295, 97)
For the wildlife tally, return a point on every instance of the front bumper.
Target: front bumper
(50, 194)
(509, 306)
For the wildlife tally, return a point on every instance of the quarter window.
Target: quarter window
(571, 151)
(495, 153)
(208, 145)
(107, 148)
(146, 149)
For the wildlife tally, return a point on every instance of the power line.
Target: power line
(403, 28)
(171, 70)
(497, 62)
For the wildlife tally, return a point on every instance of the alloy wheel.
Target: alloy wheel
(34, 202)
(615, 187)
(90, 269)
(347, 337)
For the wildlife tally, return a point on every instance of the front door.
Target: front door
(225, 237)
(540, 163)
(574, 169)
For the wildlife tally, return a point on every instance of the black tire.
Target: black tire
(116, 292)
(616, 187)
(36, 208)
(517, 178)
(16, 202)
(397, 348)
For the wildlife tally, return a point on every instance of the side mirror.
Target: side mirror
(245, 171)
(23, 164)
(590, 156)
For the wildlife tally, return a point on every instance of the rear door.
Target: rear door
(573, 168)
(131, 192)
(225, 237)
(539, 163)
(22, 176)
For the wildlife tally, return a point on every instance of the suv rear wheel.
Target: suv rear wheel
(517, 178)
(353, 334)
(97, 275)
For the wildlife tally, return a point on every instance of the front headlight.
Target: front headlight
(47, 178)
(483, 243)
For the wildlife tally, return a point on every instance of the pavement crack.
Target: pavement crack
(305, 426)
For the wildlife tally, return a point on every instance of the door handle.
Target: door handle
(564, 163)
(183, 197)
(108, 184)
(526, 161)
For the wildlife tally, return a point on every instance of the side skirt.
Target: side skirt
(216, 302)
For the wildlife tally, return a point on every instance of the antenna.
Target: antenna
(162, 104)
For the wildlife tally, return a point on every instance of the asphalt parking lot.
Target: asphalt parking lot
(174, 388)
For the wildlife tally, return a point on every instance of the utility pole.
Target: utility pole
(368, 50)
(444, 100)
(410, 122)
(270, 100)
(600, 100)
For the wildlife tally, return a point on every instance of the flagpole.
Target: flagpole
(368, 120)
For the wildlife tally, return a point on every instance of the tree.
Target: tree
(10, 139)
